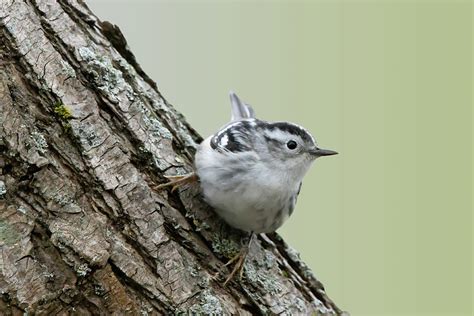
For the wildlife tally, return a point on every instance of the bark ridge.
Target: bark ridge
(84, 133)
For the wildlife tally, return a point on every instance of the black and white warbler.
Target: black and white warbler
(251, 170)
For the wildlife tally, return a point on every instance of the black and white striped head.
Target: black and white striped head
(290, 143)
(280, 143)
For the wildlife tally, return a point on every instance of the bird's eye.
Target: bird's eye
(291, 144)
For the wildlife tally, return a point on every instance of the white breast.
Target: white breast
(246, 194)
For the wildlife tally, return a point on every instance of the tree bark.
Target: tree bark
(84, 134)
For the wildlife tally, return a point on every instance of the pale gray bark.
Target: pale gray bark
(84, 133)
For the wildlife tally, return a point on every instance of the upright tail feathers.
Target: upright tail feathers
(240, 110)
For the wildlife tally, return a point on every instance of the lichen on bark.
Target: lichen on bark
(84, 135)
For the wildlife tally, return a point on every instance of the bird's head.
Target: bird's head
(289, 146)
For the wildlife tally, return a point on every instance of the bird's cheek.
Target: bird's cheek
(309, 158)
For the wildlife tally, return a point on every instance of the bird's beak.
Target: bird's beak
(318, 152)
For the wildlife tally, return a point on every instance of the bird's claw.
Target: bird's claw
(238, 267)
(177, 181)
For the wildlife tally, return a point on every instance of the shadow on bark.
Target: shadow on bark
(84, 133)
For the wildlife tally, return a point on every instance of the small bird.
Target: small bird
(251, 171)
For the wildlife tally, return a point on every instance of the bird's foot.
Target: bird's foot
(238, 261)
(238, 266)
(177, 181)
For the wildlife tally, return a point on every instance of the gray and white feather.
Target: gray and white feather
(251, 170)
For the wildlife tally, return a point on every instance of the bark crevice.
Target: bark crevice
(84, 135)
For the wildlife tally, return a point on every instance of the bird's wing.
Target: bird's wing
(233, 137)
(293, 200)
(240, 110)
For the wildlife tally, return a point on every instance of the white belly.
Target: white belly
(247, 209)
(245, 199)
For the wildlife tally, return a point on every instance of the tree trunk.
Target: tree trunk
(84, 134)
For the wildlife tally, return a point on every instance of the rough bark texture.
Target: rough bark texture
(84, 133)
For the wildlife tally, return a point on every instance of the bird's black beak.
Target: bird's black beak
(318, 152)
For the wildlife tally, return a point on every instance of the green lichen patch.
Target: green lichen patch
(209, 305)
(299, 304)
(39, 142)
(225, 247)
(152, 123)
(107, 78)
(253, 272)
(8, 234)
(67, 126)
(67, 69)
(62, 111)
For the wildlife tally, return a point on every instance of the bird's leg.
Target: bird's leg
(238, 266)
(240, 258)
(177, 181)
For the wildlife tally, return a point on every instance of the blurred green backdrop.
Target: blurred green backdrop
(387, 224)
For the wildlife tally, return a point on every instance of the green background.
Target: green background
(387, 224)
